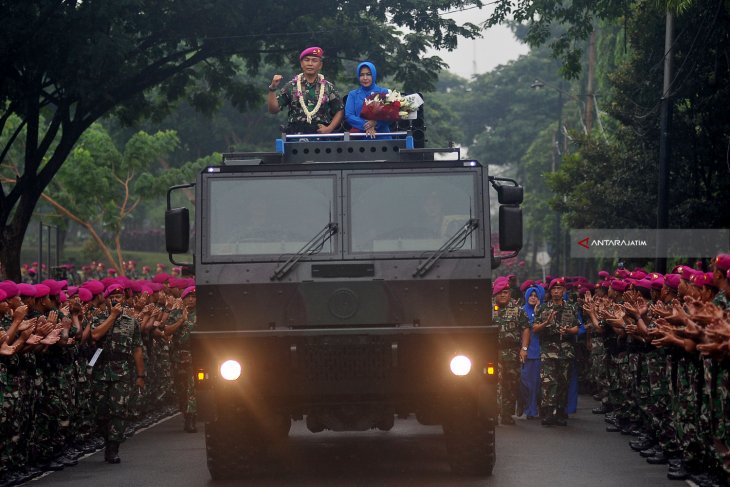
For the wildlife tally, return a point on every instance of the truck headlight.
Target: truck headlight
(460, 365)
(230, 370)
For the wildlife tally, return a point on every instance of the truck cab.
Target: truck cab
(344, 283)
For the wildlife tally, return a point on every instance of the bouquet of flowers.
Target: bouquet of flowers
(390, 106)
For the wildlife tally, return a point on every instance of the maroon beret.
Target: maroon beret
(188, 290)
(41, 290)
(85, 295)
(558, 281)
(312, 51)
(526, 284)
(619, 285)
(10, 288)
(26, 289)
(722, 262)
(603, 274)
(161, 277)
(112, 288)
(96, 287)
(621, 273)
(499, 285)
(672, 280)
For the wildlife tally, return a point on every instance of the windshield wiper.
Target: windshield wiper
(455, 242)
(312, 247)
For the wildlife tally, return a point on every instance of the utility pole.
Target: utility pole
(665, 130)
(588, 111)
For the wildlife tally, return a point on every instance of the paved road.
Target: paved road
(582, 454)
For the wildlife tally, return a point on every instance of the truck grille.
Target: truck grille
(345, 358)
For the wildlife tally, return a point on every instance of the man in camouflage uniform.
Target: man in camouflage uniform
(555, 323)
(514, 338)
(314, 104)
(182, 322)
(118, 336)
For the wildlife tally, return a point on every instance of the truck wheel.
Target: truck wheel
(233, 447)
(470, 444)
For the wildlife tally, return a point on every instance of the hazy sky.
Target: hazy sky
(496, 46)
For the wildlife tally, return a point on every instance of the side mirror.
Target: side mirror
(177, 230)
(509, 195)
(510, 228)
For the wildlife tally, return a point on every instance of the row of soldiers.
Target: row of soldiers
(659, 357)
(73, 274)
(81, 368)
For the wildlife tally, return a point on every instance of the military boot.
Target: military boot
(111, 454)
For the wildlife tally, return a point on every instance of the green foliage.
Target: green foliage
(614, 184)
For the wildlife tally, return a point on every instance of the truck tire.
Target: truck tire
(470, 443)
(233, 448)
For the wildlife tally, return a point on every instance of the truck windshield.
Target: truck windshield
(267, 215)
(409, 213)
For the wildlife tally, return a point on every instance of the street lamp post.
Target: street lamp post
(557, 155)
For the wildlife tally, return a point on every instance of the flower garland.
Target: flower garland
(320, 97)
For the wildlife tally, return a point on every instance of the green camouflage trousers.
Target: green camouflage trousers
(508, 387)
(659, 372)
(185, 388)
(686, 410)
(110, 398)
(554, 379)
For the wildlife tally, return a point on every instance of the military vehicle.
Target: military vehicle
(345, 283)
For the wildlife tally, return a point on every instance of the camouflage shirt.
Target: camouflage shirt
(720, 300)
(115, 362)
(181, 340)
(288, 97)
(552, 345)
(512, 321)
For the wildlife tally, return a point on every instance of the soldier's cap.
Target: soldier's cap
(188, 290)
(41, 290)
(54, 286)
(621, 273)
(62, 297)
(603, 274)
(605, 283)
(657, 282)
(85, 295)
(558, 281)
(10, 288)
(3, 295)
(526, 284)
(685, 272)
(155, 286)
(499, 285)
(722, 262)
(619, 285)
(26, 289)
(72, 290)
(147, 289)
(672, 281)
(583, 290)
(96, 287)
(701, 279)
(112, 289)
(638, 274)
(111, 272)
(161, 277)
(645, 283)
(312, 51)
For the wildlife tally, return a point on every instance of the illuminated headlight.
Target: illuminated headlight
(230, 370)
(460, 365)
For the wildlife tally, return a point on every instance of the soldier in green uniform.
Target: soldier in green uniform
(118, 337)
(555, 324)
(514, 338)
(314, 104)
(182, 319)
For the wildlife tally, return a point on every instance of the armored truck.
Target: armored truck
(345, 283)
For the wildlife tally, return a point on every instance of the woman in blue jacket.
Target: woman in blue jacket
(530, 377)
(367, 77)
